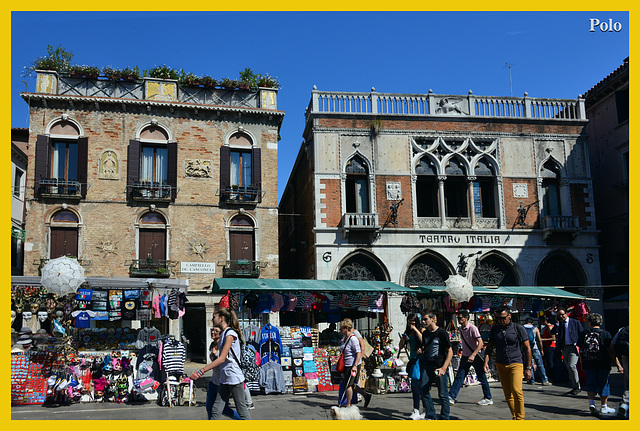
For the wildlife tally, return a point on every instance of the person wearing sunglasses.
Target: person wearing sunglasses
(513, 353)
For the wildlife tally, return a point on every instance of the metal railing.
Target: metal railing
(54, 187)
(150, 268)
(242, 268)
(143, 190)
(569, 223)
(238, 194)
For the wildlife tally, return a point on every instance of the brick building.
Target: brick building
(412, 188)
(19, 161)
(607, 108)
(151, 179)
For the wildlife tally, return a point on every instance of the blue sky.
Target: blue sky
(552, 54)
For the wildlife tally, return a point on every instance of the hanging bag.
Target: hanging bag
(340, 365)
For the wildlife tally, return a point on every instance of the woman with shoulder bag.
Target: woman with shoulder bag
(231, 376)
(351, 353)
(413, 338)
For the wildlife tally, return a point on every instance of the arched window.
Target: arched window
(64, 234)
(559, 269)
(61, 161)
(152, 169)
(427, 188)
(550, 189)
(455, 189)
(242, 248)
(152, 237)
(427, 270)
(361, 267)
(494, 270)
(240, 169)
(484, 189)
(357, 186)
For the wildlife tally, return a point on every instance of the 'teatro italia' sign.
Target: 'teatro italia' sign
(460, 239)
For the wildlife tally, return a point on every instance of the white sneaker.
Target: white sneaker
(452, 401)
(423, 415)
(606, 410)
(415, 415)
(485, 402)
(623, 411)
(593, 409)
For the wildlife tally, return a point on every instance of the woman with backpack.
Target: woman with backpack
(231, 376)
(214, 383)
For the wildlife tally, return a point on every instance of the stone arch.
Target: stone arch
(427, 269)
(361, 265)
(496, 269)
(560, 268)
(64, 127)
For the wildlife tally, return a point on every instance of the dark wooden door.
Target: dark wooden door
(152, 244)
(64, 242)
(241, 245)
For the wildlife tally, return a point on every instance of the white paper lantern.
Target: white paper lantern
(459, 288)
(62, 276)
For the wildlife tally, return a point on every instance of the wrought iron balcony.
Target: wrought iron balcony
(57, 188)
(150, 191)
(150, 268)
(242, 268)
(237, 194)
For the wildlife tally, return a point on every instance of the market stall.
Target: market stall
(284, 320)
(100, 341)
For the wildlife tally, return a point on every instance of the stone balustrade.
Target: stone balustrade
(374, 103)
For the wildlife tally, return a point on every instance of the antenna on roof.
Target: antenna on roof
(510, 81)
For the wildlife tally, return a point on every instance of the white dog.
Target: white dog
(346, 413)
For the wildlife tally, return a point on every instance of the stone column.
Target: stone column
(470, 200)
(443, 215)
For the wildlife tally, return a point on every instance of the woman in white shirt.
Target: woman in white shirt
(231, 376)
(350, 347)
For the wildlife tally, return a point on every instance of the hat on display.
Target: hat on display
(25, 340)
(41, 334)
(377, 373)
(403, 371)
(24, 330)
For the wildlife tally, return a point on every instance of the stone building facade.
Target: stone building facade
(607, 108)
(152, 179)
(412, 188)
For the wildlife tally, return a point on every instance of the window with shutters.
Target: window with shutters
(152, 247)
(152, 166)
(61, 162)
(242, 249)
(240, 170)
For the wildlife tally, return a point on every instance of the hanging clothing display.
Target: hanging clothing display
(270, 344)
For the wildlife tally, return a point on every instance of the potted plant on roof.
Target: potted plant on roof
(248, 79)
(129, 74)
(228, 83)
(90, 72)
(268, 81)
(208, 81)
(163, 72)
(189, 79)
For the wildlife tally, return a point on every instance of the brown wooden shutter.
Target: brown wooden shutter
(256, 171)
(43, 156)
(133, 164)
(83, 155)
(225, 169)
(172, 168)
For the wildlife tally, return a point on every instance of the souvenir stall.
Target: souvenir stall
(524, 301)
(104, 340)
(280, 319)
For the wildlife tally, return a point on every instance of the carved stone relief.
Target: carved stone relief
(198, 168)
(394, 191)
(109, 168)
(198, 247)
(108, 246)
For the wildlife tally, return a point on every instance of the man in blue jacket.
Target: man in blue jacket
(569, 331)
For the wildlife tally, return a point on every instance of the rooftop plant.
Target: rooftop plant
(57, 59)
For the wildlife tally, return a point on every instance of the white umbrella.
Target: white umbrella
(459, 288)
(62, 276)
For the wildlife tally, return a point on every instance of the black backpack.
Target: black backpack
(592, 347)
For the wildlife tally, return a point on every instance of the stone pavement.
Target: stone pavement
(541, 403)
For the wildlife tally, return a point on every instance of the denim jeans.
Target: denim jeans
(537, 357)
(427, 378)
(463, 370)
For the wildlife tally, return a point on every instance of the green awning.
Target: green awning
(530, 291)
(277, 285)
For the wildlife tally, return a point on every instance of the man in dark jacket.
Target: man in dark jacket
(569, 331)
